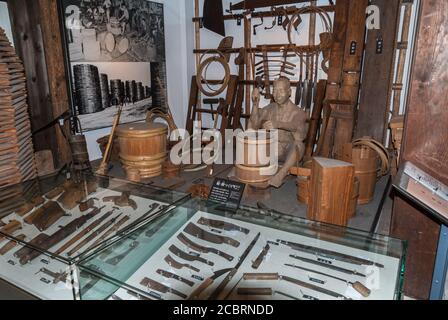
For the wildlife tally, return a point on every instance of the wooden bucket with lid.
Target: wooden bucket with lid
(254, 147)
(253, 154)
(143, 147)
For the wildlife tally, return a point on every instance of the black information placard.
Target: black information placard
(227, 192)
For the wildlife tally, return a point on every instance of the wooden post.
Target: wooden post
(38, 42)
(197, 32)
(248, 58)
(51, 34)
(403, 47)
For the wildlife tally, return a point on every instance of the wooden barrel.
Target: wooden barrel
(80, 155)
(143, 147)
(252, 144)
(303, 183)
(365, 161)
(251, 167)
(254, 174)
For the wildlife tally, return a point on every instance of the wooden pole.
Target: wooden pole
(197, 31)
(403, 47)
(103, 168)
(248, 58)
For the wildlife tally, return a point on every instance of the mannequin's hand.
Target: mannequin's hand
(268, 125)
(256, 97)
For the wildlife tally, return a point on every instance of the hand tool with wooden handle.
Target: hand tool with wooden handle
(11, 245)
(329, 254)
(256, 264)
(271, 71)
(217, 224)
(149, 283)
(103, 168)
(207, 283)
(358, 286)
(219, 290)
(287, 63)
(10, 228)
(86, 230)
(328, 266)
(194, 246)
(115, 228)
(276, 276)
(177, 265)
(254, 291)
(170, 275)
(44, 242)
(199, 233)
(95, 234)
(188, 257)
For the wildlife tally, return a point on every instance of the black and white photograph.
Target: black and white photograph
(116, 52)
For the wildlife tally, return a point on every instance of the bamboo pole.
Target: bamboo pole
(197, 32)
(403, 47)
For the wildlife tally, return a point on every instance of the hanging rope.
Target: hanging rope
(202, 78)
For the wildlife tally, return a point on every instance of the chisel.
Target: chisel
(358, 286)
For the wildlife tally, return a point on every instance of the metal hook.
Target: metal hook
(258, 25)
(274, 22)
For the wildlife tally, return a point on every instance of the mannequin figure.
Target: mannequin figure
(288, 119)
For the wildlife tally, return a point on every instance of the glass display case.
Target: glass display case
(46, 225)
(199, 250)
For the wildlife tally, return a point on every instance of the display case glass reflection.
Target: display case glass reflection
(46, 225)
(201, 251)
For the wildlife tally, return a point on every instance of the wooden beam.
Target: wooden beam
(51, 34)
(255, 4)
(28, 39)
(264, 14)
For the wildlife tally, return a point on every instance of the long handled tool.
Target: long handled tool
(358, 286)
(103, 168)
(303, 284)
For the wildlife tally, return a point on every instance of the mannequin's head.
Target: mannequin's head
(282, 90)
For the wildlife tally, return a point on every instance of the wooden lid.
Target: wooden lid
(142, 129)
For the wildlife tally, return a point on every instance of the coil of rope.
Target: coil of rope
(379, 149)
(327, 24)
(204, 65)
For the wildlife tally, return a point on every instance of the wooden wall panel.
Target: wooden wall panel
(376, 81)
(30, 48)
(426, 133)
(51, 32)
(38, 41)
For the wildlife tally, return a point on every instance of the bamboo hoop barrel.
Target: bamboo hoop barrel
(143, 148)
(253, 148)
(303, 183)
(253, 154)
(365, 161)
(254, 174)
